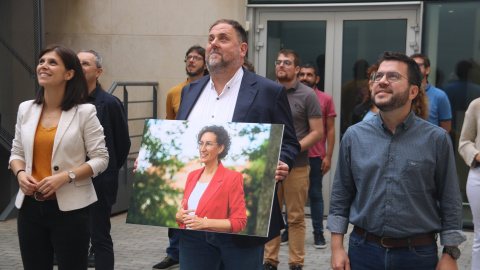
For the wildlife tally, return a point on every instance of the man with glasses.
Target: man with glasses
(308, 123)
(111, 114)
(396, 182)
(440, 112)
(196, 68)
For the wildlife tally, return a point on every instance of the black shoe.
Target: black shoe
(267, 266)
(295, 267)
(167, 263)
(319, 240)
(91, 259)
(284, 238)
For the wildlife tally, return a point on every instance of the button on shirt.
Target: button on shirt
(397, 185)
(214, 107)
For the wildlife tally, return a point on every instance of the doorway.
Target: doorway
(343, 40)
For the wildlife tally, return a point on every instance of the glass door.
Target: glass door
(362, 37)
(343, 41)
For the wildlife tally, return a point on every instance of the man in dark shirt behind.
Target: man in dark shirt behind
(111, 114)
(396, 182)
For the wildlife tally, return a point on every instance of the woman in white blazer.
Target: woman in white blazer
(469, 149)
(54, 135)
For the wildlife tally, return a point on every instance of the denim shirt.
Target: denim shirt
(397, 185)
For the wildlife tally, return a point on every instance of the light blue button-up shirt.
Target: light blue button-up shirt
(397, 185)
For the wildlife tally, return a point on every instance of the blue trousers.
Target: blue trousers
(208, 250)
(43, 229)
(365, 255)
(315, 193)
(174, 239)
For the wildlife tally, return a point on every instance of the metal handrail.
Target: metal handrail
(126, 102)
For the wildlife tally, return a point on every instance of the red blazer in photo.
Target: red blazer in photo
(223, 198)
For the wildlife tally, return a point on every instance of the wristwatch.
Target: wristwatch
(71, 175)
(452, 251)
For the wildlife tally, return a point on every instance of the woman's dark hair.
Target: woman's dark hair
(222, 138)
(76, 90)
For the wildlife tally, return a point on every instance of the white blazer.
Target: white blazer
(79, 134)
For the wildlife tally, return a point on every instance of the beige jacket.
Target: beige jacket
(469, 145)
(79, 134)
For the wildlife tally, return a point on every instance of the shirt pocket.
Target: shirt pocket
(418, 175)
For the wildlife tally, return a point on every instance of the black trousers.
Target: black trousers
(43, 229)
(102, 244)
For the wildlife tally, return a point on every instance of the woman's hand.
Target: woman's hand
(27, 183)
(50, 184)
(194, 222)
(182, 213)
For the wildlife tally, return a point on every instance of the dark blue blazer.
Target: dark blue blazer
(111, 114)
(260, 100)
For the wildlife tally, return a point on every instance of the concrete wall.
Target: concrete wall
(140, 40)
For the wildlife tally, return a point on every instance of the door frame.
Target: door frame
(334, 15)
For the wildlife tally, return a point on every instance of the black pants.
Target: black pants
(102, 244)
(43, 229)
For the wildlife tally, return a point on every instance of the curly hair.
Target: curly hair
(223, 138)
(420, 104)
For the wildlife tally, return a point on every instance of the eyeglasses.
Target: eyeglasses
(195, 58)
(207, 145)
(392, 77)
(285, 62)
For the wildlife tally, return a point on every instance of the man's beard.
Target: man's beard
(396, 101)
(307, 83)
(195, 72)
(220, 65)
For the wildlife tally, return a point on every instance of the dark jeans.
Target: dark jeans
(102, 244)
(174, 239)
(315, 193)
(43, 229)
(207, 250)
(365, 255)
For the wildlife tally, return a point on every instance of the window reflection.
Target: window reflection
(451, 42)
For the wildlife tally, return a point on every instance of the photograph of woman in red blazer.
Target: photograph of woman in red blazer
(214, 198)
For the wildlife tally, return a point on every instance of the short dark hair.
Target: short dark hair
(223, 138)
(200, 50)
(463, 69)
(426, 61)
(310, 65)
(287, 52)
(241, 33)
(413, 70)
(76, 89)
(196, 48)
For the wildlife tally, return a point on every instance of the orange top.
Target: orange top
(42, 152)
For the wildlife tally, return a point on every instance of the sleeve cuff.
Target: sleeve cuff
(452, 238)
(337, 224)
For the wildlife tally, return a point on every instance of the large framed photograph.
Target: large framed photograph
(206, 176)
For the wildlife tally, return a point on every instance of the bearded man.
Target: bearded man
(396, 182)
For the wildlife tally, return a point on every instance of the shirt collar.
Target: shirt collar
(427, 87)
(233, 81)
(407, 123)
(93, 95)
(294, 86)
